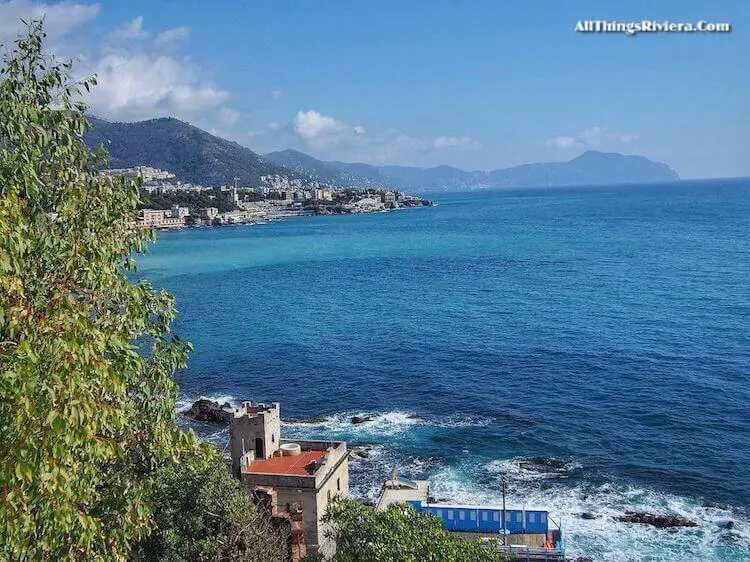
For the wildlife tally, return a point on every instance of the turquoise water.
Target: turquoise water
(606, 330)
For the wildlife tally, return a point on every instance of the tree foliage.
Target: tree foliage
(204, 514)
(191, 200)
(398, 534)
(86, 359)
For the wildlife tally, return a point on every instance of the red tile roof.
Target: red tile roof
(293, 466)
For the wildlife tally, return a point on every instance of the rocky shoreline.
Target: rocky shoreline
(210, 411)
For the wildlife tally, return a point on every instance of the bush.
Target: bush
(398, 534)
(204, 514)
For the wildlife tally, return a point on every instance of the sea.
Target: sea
(590, 344)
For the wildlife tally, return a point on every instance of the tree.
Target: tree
(204, 514)
(86, 359)
(400, 533)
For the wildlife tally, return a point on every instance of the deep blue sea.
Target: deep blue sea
(604, 329)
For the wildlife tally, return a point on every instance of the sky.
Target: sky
(479, 85)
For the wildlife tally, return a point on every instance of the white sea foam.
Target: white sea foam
(606, 538)
(523, 469)
(184, 402)
(382, 424)
(558, 486)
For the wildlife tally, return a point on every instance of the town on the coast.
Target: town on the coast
(169, 203)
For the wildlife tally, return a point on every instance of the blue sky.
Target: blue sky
(478, 85)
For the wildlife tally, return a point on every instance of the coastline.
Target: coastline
(241, 218)
(373, 333)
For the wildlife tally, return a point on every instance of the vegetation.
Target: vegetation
(204, 515)
(399, 533)
(192, 200)
(87, 420)
(92, 463)
(191, 153)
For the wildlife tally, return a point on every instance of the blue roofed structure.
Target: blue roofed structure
(528, 532)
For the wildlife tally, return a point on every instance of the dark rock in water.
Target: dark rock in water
(209, 411)
(361, 419)
(659, 521)
(361, 452)
(584, 559)
(727, 524)
(587, 515)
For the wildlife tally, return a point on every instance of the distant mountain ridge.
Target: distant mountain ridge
(590, 168)
(197, 156)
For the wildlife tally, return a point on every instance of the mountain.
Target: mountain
(200, 157)
(333, 173)
(191, 153)
(590, 168)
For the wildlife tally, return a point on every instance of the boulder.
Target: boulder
(360, 452)
(727, 524)
(588, 515)
(657, 520)
(361, 419)
(209, 411)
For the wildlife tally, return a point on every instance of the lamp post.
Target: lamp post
(504, 483)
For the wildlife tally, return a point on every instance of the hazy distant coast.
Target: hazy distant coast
(199, 157)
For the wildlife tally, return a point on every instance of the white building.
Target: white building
(178, 212)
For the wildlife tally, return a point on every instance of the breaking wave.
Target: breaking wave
(588, 511)
(381, 424)
(184, 402)
(585, 503)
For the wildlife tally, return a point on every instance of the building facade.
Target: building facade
(159, 218)
(303, 474)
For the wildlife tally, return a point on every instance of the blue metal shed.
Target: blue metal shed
(485, 519)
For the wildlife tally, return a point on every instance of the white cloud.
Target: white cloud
(171, 35)
(132, 30)
(321, 131)
(59, 19)
(593, 137)
(311, 125)
(442, 143)
(228, 116)
(140, 80)
(563, 142)
(330, 138)
(142, 85)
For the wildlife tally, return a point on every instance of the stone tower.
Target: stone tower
(255, 430)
